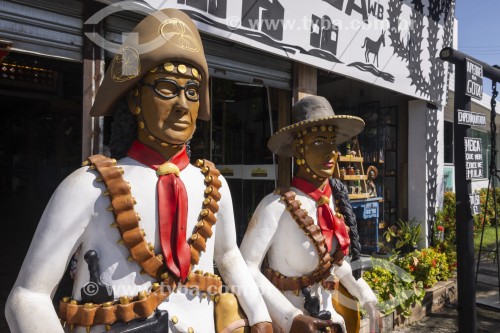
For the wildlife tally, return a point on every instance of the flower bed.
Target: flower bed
(400, 281)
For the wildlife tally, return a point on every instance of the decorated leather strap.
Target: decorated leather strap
(313, 232)
(126, 219)
(138, 307)
(206, 220)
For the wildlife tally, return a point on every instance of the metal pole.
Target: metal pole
(464, 224)
(458, 58)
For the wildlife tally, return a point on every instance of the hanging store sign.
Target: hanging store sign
(382, 42)
(475, 203)
(473, 158)
(471, 118)
(474, 80)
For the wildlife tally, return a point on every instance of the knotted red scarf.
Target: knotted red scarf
(329, 223)
(172, 205)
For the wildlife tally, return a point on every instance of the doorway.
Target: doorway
(40, 144)
(235, 140)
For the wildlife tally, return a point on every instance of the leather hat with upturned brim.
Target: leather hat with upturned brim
(309, 112)
(162, 38)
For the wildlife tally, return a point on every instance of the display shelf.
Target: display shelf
(353, 177)
(350, 158)
(359, 196)
(349, 169)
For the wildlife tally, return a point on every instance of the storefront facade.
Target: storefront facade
(377, 60)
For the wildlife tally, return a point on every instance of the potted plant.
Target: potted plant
(404, 235)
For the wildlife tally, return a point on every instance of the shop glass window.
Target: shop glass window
(486, 149)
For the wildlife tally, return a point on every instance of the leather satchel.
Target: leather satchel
(158, 323)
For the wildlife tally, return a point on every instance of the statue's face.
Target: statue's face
(169, 104)
(320, 153)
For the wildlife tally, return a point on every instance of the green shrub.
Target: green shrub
(446, 218)
(428, 266)
(490, 214)
(395, 288)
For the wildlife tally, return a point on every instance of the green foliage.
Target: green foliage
(395, 288)
(479, 219)
(445, 232)
(428, 266)
(489, 241)
(446, 218)
(406, 234)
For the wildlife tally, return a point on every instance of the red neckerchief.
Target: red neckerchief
(172, 208)
(329, 223)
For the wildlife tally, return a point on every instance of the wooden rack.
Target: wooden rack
(355, 183)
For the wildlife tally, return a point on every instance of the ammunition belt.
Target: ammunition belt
(139, 307)
(296, 284)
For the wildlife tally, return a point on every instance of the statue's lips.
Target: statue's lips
(180, 124)
(329, 164)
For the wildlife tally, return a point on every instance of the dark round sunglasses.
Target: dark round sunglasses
(168, 89)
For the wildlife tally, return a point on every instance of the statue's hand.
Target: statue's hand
(307, 324)
(374, 315)
(263, 327)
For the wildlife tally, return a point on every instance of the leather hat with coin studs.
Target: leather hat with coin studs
(314, 111)
(166, 40)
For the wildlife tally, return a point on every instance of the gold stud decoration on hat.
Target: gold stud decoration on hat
(182, 69)
(169, 67)
(194, 71)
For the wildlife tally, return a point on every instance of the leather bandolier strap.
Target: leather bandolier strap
(206, 219)
(322, 272)
(127, 222)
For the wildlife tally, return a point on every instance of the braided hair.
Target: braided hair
(341, 194)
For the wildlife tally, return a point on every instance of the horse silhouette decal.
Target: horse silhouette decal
(373, 47)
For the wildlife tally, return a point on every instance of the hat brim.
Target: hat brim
(347, 127)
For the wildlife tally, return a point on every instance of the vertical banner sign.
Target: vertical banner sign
(473, 158)
(474, 85)
(475, 203)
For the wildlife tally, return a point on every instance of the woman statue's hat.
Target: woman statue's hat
(309, 112)
(165, 38)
